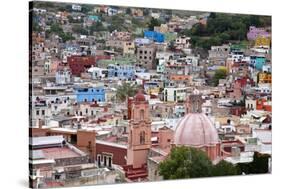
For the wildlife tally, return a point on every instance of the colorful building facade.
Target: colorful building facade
(255, 32)
(122, 72)
(90, 94)
(264, 78)
(155, 36)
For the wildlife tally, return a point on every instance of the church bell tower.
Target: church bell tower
(139, 141)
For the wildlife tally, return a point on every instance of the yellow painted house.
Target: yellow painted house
(264, 78)
(262, 41)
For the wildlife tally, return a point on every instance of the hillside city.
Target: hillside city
(124, 94)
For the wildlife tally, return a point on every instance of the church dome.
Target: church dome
(139, 96)
(196, 130)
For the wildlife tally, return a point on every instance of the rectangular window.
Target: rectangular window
(104, 160)
(99, 160)
(43, 112)
(109, 161)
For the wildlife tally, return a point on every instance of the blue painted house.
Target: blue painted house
(90, 94)
(258, 62)
(94, 18)
(155, 36)
(122, 72)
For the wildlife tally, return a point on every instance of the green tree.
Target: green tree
(68, 8)
(146, 12)
(116, 23)
(55, 28)
(220, 73)
(255, 21)
(86, 8)
(97, 27)
(44, 5)
(212, 15)
(128, 11)
(199, 29)
(153, 22)
(224, 36)
(138, 23)
(223, 27)
(186, 32)
(80, 30)
(66, 37)
(257, 166)
(185, 162)
(36, 27)
(126, 90)
(224, 168)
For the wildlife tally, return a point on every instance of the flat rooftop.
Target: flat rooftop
(59, 153)
(124, 146)
(46, 140)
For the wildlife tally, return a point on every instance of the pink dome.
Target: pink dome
(196, 130)
(139, 96)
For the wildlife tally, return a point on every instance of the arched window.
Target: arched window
(104, 160)
(142, 137)
(99, 160)
(109, 161)
(141, 114)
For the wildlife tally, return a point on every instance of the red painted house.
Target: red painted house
(237, 110)
(243, 81)
(262, 104)
(79, 64)
(109, 153)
